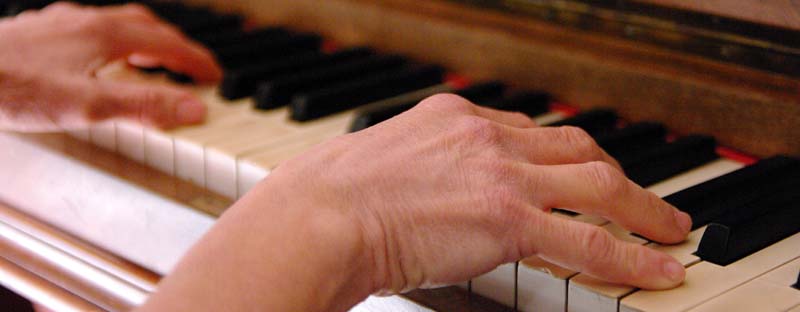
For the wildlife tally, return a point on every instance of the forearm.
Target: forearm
(270, 253)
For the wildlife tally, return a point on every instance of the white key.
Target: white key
(189, 146)
(541, 285)
(130, 140)
(248, 176)
(81, 134)
(159, 144)
(769, 292)
(548, 118)
(706, 280)
(222, 154)
(104, 135)
(498, 284)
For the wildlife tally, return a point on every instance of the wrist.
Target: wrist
(324, 233)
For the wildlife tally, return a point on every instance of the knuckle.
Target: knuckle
(580, 141)
(447, 102)
(60, 6)
(136, 7)
(500, 195)
(523, 119)
(609, 182)
(94, 24)
(598, 245)
(499, 171)
(478, 130)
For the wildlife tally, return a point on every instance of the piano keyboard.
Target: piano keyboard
(284, 92)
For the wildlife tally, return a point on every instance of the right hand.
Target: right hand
(437, 195)
(450, 190)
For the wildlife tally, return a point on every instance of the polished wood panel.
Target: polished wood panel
(40, 290)
(752, 110)
(785, 13)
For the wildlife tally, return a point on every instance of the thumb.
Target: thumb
(159, 106)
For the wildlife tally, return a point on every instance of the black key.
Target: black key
(711, 199)
(528, 103)
(632, 140)
(753, 226)
(168, 10)
(486, 91)
(219, 39)
(153, 70)
(664, 161)
(15, 7)
(797, 284)
(375, 115)
(180, 77)
(279, 92)
(210, 23)
(595, 121)
(242, 82)
(359, 92)
(195, 20)
(235, 56)
(483, 92)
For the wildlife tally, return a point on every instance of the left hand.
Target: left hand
(49, 58)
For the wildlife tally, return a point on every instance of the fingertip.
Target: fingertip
(190, 111)
(684, 221)
(659, 271)
(206, 68)
(674, 273)
(213, 74)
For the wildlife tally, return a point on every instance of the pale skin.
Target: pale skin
(434, 196)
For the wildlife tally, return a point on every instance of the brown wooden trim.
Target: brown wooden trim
(63, 275)
(453, 298)
(784, 13)
(41, 291)
(104, 260)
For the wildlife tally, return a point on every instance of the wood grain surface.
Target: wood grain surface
(785, 13)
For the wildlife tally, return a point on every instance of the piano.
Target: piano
(701, 104)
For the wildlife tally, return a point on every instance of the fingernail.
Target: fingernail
(190, 111)
(683, 220)
(674, 271)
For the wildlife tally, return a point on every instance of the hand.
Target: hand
(437, 195)
(48, 61)
(450, 190)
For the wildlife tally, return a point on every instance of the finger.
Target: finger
(61, 6)
(558, 145)
(598, 188)
(513, 119)
(158, 106)
(169, 47)
(592, 250)
(145, 61)
(133, 11)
